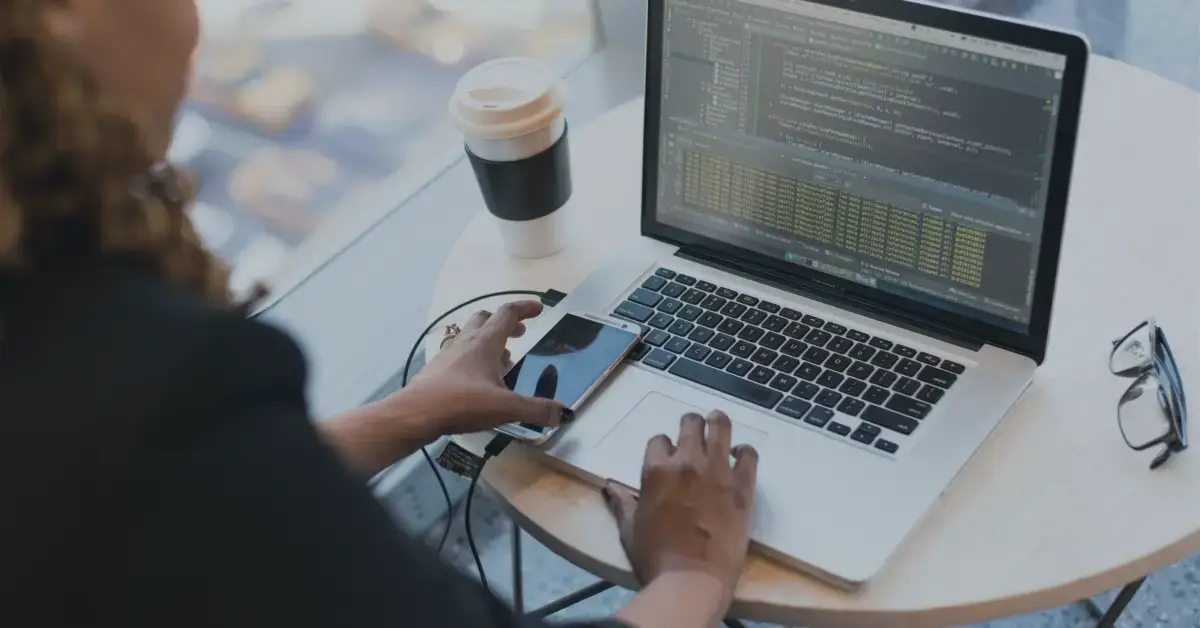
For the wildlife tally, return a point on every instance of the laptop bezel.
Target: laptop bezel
(1031, 343)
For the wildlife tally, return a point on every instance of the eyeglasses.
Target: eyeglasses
(1153, 411)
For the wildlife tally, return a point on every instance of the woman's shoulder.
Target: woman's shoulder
(129, 342)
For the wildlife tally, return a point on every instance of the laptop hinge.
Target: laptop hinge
(830, 296)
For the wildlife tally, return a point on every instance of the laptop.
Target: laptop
(851, 222)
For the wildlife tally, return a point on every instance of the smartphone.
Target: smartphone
(568, 364)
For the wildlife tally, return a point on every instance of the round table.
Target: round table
(1055, 507)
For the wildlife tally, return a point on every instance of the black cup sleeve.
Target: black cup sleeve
(528, 189)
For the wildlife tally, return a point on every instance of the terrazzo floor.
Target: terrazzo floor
(1162, 36)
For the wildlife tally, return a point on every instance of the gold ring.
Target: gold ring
(452, 331)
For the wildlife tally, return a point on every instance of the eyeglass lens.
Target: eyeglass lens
(1143, 412)
(1135, 352)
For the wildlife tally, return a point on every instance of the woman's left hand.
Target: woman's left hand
(462, 390)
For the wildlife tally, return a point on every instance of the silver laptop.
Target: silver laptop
(852, 216)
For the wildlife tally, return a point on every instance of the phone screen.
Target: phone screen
(568, 361)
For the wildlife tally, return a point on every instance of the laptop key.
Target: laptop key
(816, 355)
(808, 371)
(829, 379)
(835, 329)
(797, 331)
(840, 345)
(661, 321)
(793, 407)
(654, 283)
(698, 352)
(659, 359)
(709, 319)
(765, 357)
(670, 306)
(786, 364)
(639, 351)
(692, 297)
(701, 335)
(776, 324)
(908, 368)
(860, 370)
(880, 343)
(712, 303)
(818, 338)
(726, 293)
(681, 328)
(904, 352)
(806, 390)
(889, 420)
(829, 398)
(784, 382)
(752, 334)
(677, 345)
(634, 312)
(729, 384)
(772, 341)
(743, 349)
(790, 314)
(690, 313)
(747, 300)
(733, 309)
(754, 317)
(857, 336)
(838, 363)
(853, 387)
(719, 360)
(877, 395)
(730, 326)
(813, 321)
(953, 367)
(839, 429)
(885, 360)
(937, 377)
(862, 436)
(884, 378)
(887, 446)
(722, 342)
(768, 307)
(674, 290)
(929, 358)
(907, 386)
(740, 367)
(794, 348)
(863, 352)
(761, 374)
(657, 338)
(909, 406)
(686, 280)
(851, 406)
(666, 273)
(819, 417)
(931, 394)
(706, 286)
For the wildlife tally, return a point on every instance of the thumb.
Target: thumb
(623, 504)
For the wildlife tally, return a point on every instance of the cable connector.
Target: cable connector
(497, 446)
(551, 298)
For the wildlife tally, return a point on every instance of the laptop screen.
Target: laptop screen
(908, 159)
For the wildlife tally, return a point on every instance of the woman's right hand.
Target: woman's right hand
(693, 513)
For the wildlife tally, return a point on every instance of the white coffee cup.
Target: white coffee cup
(510, 112)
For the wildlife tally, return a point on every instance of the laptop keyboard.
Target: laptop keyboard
(869, 389)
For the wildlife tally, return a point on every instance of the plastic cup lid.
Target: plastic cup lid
(507, 98)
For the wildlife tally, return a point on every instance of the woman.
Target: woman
(159, 467)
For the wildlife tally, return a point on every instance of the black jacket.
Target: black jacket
(159, 468)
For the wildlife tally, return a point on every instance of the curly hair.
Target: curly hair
(78, 181)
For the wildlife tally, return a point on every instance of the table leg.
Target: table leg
(564, 603)
(733, 623)
(1108, 618)
(518, 575)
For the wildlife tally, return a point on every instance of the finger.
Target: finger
(719, 430)
(691, 436)
(519, 331)
(514, 408)
(506, 357)
(745, 472)
(504, 322)
(658, 450)
(477, 321)
(622, 503)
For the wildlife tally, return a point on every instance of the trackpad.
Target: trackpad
(621, 452)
